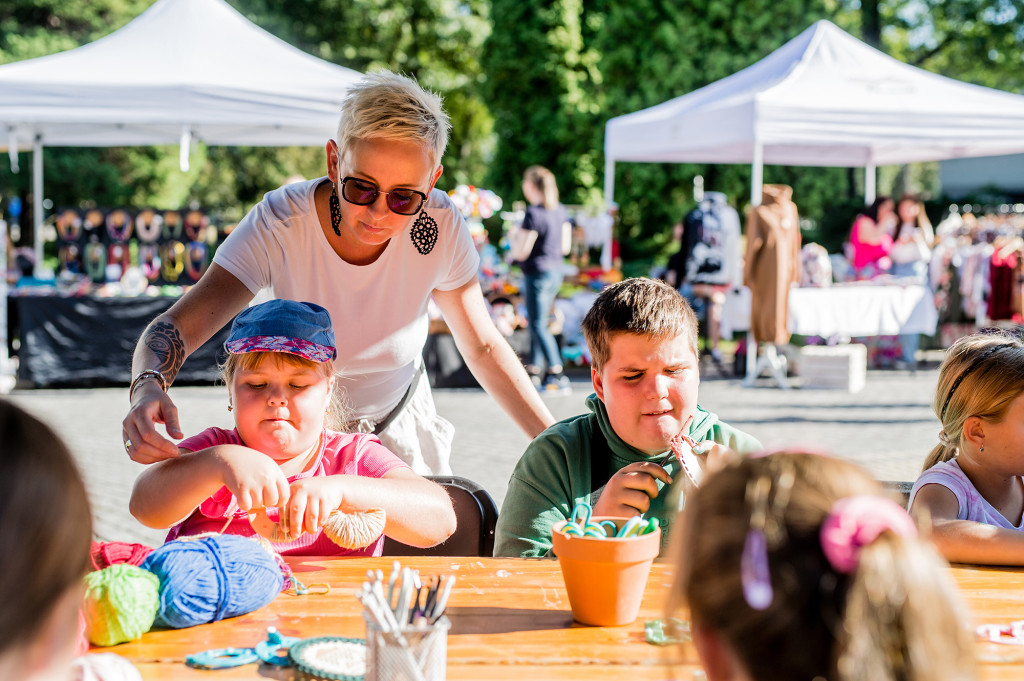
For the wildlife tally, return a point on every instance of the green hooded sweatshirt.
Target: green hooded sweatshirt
(555, 474)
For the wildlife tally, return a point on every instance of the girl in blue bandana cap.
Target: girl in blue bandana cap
(281, 470)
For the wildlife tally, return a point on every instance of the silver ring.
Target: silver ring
(128, 446)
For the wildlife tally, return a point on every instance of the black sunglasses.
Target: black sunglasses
(363, 193)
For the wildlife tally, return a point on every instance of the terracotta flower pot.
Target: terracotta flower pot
(605, 578)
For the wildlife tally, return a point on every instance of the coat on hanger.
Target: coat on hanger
(772, 262)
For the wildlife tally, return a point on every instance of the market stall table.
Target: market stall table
(89, 340)
(854, 310)
(511, 620)
(840, 311)
(846, 310)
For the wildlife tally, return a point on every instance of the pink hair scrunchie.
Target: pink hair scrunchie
(855, 522)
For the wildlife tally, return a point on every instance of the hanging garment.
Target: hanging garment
(772, 262)
(710, 248)
(1002, 301)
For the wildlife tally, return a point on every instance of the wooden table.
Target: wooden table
(994, 596)
(511, 620)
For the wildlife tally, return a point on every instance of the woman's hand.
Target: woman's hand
(254, 478)
(630, 490)
(150, 406)
(312, 502)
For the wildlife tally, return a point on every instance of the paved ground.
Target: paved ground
(888, 427)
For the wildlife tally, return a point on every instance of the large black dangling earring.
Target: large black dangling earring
(424, 233)
(335, 210)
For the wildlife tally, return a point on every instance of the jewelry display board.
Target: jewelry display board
(171, 247)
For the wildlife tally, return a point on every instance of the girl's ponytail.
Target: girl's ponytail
(903, 618)
(941, 452)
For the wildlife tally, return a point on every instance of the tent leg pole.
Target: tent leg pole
(870, 184)
(756, 188)
(7, 380)
(751, 360)
(757, 175)
(609, 181)
(609, 203)
(37, 199)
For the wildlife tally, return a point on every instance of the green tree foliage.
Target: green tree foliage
(557, 71)
(436, 41)
(529, 81)
(33, 28)
(979, 42)
(541, 91)
(654, 51)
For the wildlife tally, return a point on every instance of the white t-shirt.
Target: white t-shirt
(379, 310)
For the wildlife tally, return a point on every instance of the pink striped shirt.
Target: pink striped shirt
(340, 454)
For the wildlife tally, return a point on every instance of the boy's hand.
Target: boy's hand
(254, 478)
(312, 502)
(629, 492)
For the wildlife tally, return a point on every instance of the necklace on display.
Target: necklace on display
(93, 219)
(195, 225)
(149, 261)
(118, 254)
(119, 225)
(173, 261)
(70, 258)
(69, 225)
(197, 261)
(172, 225)
(148, 224)
(96, 261)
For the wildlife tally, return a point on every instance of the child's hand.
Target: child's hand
(712, 456)
(254, 478)
(312, 502)
(630, 490)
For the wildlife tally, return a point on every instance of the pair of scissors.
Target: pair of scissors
(683, 447)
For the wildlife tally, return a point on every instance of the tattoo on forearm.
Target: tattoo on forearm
(165, 342)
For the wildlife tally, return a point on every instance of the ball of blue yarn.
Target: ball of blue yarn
(212, 577)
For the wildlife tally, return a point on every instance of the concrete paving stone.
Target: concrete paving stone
(888, 428)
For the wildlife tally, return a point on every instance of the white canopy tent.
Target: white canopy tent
(183, 70)
(822, 99)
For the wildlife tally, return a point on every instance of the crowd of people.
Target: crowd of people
(777, 555)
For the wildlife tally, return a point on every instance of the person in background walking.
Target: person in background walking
(537, 245)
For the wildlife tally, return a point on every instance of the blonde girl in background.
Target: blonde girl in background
(795, 567)
(971, 484)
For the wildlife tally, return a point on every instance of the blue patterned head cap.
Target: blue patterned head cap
(302, 329)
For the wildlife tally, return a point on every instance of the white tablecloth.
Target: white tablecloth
(845, 310)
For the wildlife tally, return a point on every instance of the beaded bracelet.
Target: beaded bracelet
(143, 375)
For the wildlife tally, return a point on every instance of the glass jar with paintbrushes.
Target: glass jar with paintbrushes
(406, 630)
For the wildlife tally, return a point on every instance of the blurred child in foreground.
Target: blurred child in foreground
(795, 567)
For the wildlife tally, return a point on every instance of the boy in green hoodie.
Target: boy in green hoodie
(618, 458)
